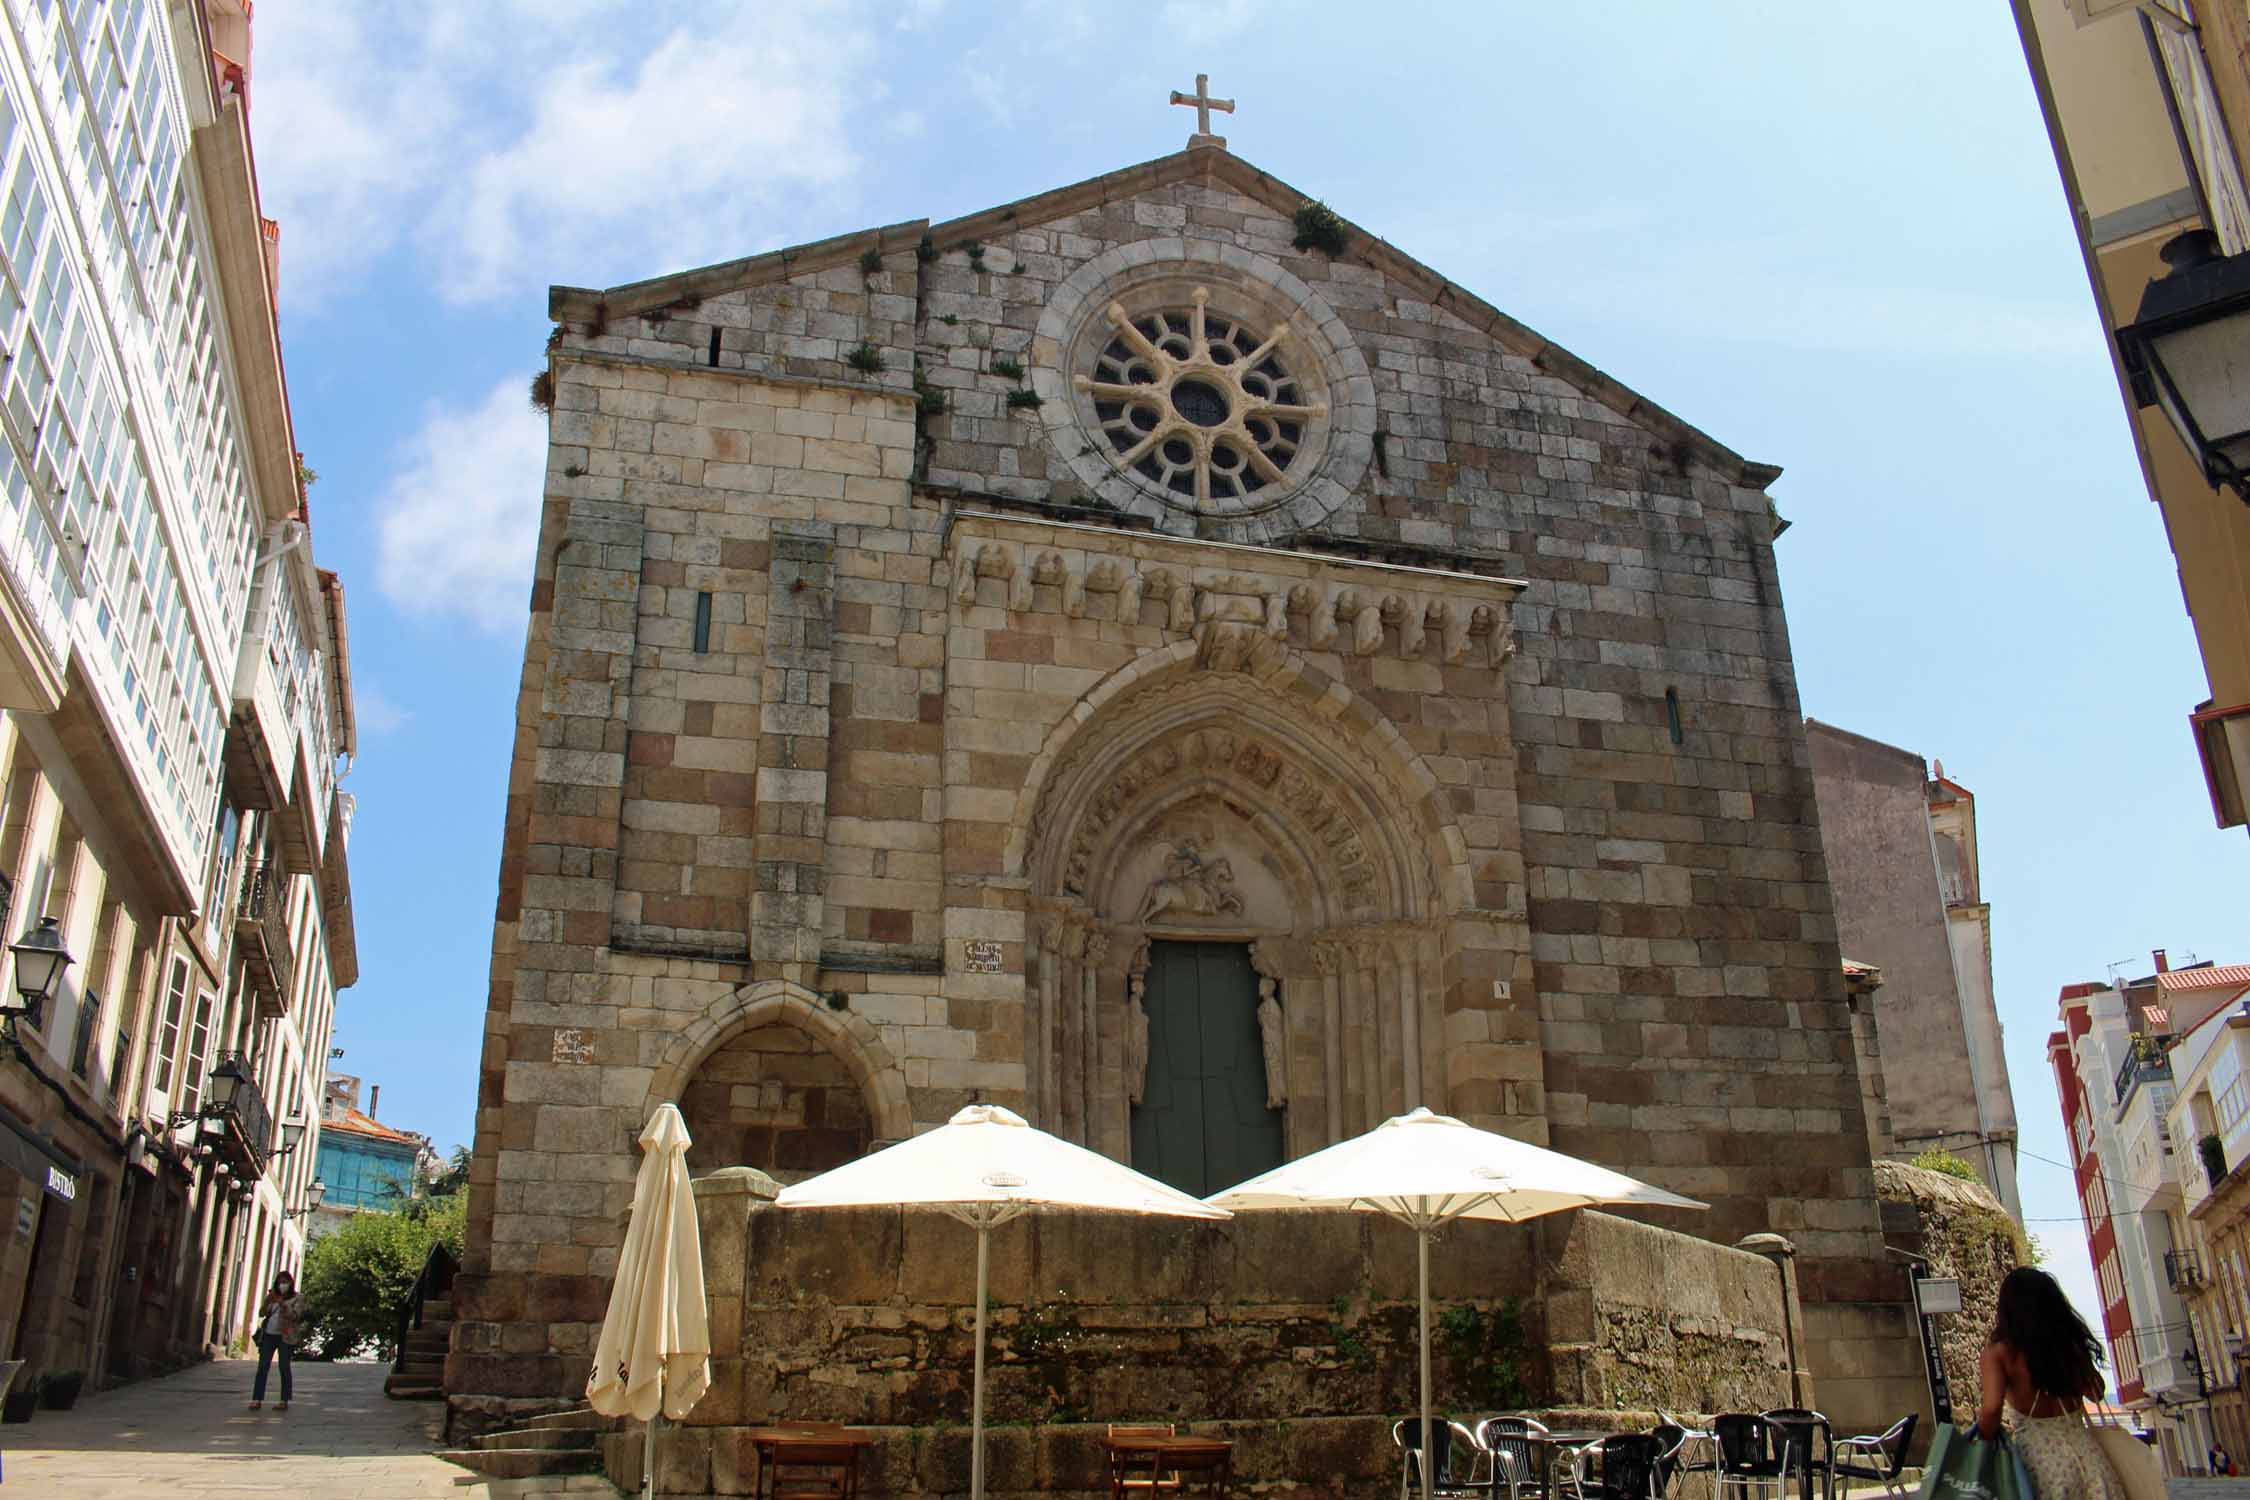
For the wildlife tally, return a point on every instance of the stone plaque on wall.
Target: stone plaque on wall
(571, 1047)
(981, 955)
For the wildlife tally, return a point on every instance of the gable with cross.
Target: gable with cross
(1203, 104)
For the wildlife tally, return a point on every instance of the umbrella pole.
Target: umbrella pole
(1429, 1439)
(976, 1409)
(648, 1447)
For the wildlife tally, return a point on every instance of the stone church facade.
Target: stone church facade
(1116, 656)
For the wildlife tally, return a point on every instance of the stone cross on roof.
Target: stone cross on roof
(1203, 102)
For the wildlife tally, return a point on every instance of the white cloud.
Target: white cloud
(507, 149)
(373, 710)
(674, 163)
(460, 522)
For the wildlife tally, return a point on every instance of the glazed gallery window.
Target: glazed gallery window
(168, 1034)
(199, 1041)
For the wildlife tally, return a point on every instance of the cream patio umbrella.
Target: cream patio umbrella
(985, 1167)
(1426, 1170)
(654, 1356)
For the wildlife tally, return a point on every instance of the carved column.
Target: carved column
(1328, 957)
(1066, 1100)
(1039, 1024)
(1367, 955)
(1402, 948)
(1089, 1040)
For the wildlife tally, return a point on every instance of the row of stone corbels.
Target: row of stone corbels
(1211, 597)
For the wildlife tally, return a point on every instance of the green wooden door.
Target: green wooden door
(1203, 1124)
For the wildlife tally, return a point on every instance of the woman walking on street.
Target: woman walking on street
(277, 1333)
(2039, 1366)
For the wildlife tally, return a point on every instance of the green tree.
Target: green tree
(454, 1178)
(357, 1277)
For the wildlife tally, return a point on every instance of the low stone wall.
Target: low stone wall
(1960, 1228)
(1292, 1333)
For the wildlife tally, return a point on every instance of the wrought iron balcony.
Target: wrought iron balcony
(2183, 1269)
(261, 936)
(236, 1125)
(2147, 1062)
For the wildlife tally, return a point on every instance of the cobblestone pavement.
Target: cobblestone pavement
(193, 1434)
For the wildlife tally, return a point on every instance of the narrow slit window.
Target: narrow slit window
(702, 623)
(1672, 715)
(714, 348)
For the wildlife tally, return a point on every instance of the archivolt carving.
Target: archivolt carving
(1231, 753)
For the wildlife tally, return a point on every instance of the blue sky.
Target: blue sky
(1831, 236)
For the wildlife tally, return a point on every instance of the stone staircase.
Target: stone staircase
(420, 1372)
(565, 1445)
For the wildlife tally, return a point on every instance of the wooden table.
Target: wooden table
(1159, 1451)
(774, 1443)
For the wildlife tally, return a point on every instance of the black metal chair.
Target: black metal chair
(1752, 1452)
(1880, 1457)
(1695, 1450)
(1623, 1466)
(1515, 1458)
(1407, 1433)
(1812, 1445)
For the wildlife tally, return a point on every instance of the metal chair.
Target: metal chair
(1811, 1442)
(1514, 1461)
(1622, 1466)
(1880, 1457)
(1697, 1451)
(1752, 1452)
(1407, 1433)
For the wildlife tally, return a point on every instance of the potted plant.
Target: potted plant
(2214, 1156)
(60, 1390)
(22, 1399)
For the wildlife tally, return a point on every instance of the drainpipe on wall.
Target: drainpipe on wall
(1784, 1256)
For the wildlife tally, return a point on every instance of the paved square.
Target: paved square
(193, 1434)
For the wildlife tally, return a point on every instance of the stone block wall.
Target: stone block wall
(1293, 1334)
(774, 1099)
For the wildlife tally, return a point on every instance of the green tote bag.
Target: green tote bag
(1962, 1466)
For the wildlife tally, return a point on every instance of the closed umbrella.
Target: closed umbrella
(654, 1356)
(1426, 1170)
(985, 1167)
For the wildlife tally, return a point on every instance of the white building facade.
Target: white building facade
(175, 673)
(2127, 1092)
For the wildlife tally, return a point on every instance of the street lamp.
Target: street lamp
(2188, 351)
(313, 1194)
(292, 1136)
(40, 961)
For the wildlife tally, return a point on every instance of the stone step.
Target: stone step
(438, 1307)
(548, 1487)
(524, 1463)
(422, 1343)
(578, 1416)
(407, 1388)
(558, 1438)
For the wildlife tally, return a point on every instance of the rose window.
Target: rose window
(1198, 403)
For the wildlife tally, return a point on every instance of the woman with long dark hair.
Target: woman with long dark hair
(2039, 1364)
(278, 1315)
